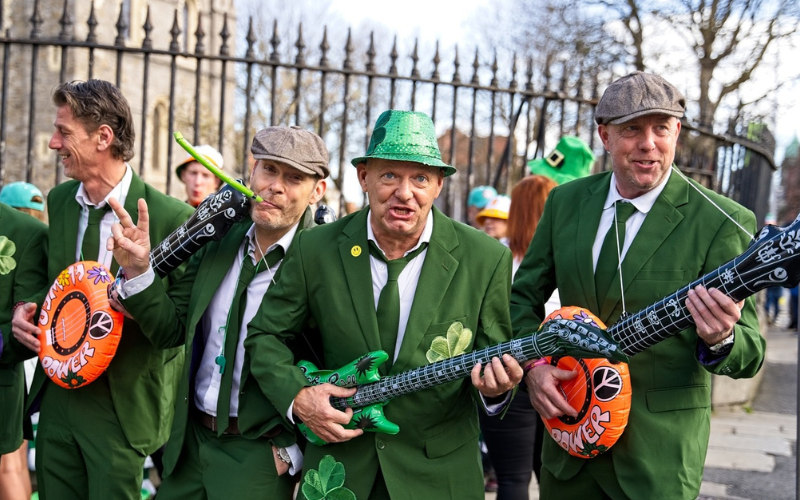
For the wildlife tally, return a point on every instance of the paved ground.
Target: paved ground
(752, 452)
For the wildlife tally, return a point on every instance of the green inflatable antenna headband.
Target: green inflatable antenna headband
(216, 171)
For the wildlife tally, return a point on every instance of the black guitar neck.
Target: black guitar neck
(772, 260)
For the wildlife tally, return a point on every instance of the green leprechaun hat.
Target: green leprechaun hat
(405, 136)
(572, 159)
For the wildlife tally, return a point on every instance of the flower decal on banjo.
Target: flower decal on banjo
(7, 250)
(327, 483)
(457, 340)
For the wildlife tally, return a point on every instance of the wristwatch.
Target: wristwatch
(723, 346)
(283, 454)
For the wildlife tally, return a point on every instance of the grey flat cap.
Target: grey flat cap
(636, 95)
(293, 146)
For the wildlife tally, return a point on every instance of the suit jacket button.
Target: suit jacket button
(185, 400)
(381, 445)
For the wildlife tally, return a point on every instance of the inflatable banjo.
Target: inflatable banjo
(772, 260)
(80, 330)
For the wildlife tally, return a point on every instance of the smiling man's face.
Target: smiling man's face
(642, 151)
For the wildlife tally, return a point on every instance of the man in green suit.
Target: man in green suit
(227, 439)
(336, 278)
(673, 235)
(92, 441)
(23, 277)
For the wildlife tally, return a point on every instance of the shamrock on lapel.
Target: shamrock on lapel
(7, 250)
(457, 340)
(327, 483)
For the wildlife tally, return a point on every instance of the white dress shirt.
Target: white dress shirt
(643, 204)
(120, 192)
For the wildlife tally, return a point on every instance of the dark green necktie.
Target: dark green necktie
(608, 261)
(388, 312)
(90, 246)
(231, 334)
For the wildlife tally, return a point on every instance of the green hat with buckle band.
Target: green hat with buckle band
(572, 159)
(405, 136)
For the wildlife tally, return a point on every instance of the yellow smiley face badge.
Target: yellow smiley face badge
(355, 251)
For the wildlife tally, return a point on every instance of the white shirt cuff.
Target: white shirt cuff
(297, 459)
(289, 415)
(128, 288)
(495, 409)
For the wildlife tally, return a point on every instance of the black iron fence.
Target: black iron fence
(217, 81)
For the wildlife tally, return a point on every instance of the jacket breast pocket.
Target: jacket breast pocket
(678, 398)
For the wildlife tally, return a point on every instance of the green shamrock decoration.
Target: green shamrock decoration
(72, 379)
(328, 483)
(7, 250)
(456, 343)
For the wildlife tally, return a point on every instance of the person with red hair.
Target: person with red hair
(527, 205)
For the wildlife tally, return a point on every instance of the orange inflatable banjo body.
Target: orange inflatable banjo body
(600, 393)
(80, 330)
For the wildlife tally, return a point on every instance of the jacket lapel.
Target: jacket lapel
(68, 230)
(591, 209)
(662, 219)
(435, 277)
(354, 253)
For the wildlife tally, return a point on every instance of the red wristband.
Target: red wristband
(533, 364)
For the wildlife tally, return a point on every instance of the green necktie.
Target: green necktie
(388, 312)
(609, 260)
(231, 332)
(90, 246)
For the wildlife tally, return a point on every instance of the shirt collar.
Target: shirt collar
(644, 202)
(424, 238)
(285, 241)
(120, 191)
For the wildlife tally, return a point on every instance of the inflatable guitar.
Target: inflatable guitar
(772, 260)
(80, 329)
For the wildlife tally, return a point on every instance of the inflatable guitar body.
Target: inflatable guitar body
(772, 260)
(81, 331)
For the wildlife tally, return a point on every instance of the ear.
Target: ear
(361, 170)
(105, 137)
(602, 131)
(439, 181)
(318, 192)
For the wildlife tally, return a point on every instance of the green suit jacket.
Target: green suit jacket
(171, 319)
(27, 282)
(465, 277)
(142, 377)
(662, 451)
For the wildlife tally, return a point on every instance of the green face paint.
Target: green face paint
(216, 171)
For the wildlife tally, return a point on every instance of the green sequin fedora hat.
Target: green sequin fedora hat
(405, 136)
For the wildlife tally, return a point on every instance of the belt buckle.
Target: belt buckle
(213, 424)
